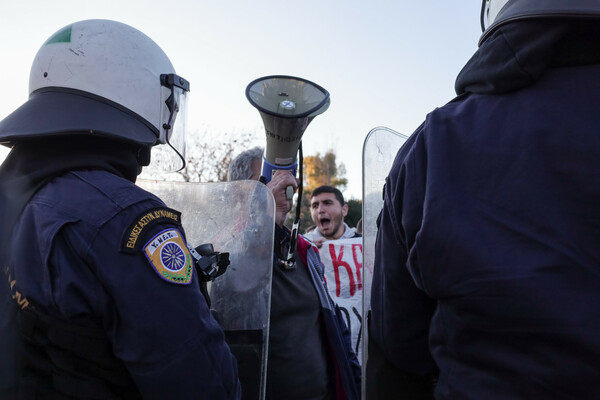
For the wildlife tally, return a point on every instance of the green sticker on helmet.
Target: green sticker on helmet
(62, 36)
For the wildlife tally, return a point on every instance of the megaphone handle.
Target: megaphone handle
(269, 169)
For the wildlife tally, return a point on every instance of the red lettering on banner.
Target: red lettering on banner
(358, 264)
(337, 263)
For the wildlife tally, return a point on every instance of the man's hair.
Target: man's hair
(329, 189)
(241, 166)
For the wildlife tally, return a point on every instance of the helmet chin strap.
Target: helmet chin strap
(174, 108)
(172, 81)
(178, 153)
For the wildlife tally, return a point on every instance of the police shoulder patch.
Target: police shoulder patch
(170, 257)
(134, 233)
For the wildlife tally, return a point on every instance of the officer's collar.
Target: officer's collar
(31, 164)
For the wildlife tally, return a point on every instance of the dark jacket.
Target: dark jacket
(72, 256)
(487, 261)
(345, 373)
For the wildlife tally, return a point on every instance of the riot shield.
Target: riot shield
(239, 218)
(379, 151)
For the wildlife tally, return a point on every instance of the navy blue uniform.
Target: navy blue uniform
(487, 257)
(68, 258)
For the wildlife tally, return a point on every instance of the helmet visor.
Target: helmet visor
(171, 158)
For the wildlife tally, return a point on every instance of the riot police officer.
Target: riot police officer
(487, 277)
(100, 293)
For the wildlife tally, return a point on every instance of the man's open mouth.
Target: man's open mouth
(324, 222)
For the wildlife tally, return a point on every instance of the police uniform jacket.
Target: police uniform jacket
(487, 259)
(94, 250)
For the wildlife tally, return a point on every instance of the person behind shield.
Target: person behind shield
(100, 295)
(487, 264)
(310, 354)
(246, 165)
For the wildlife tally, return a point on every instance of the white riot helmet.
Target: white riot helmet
(495, 13)
(104, 78)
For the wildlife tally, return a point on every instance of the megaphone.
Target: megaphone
(287, 105)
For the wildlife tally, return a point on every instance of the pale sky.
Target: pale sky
(384, 62)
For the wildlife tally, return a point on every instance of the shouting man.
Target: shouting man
(327, 210)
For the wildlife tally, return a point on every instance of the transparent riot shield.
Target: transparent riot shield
(239, 218)
(379, 151)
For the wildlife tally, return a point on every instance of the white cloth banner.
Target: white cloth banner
(343, 261)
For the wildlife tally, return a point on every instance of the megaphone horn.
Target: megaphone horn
(287, 105)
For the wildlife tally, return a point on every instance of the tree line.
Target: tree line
(207, 160)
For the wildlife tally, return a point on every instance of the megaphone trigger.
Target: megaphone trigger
(289, 192)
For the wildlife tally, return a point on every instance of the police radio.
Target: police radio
(210, 264)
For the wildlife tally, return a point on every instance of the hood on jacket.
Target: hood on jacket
(517, 54)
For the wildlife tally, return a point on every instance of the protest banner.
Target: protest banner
(344, 274)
